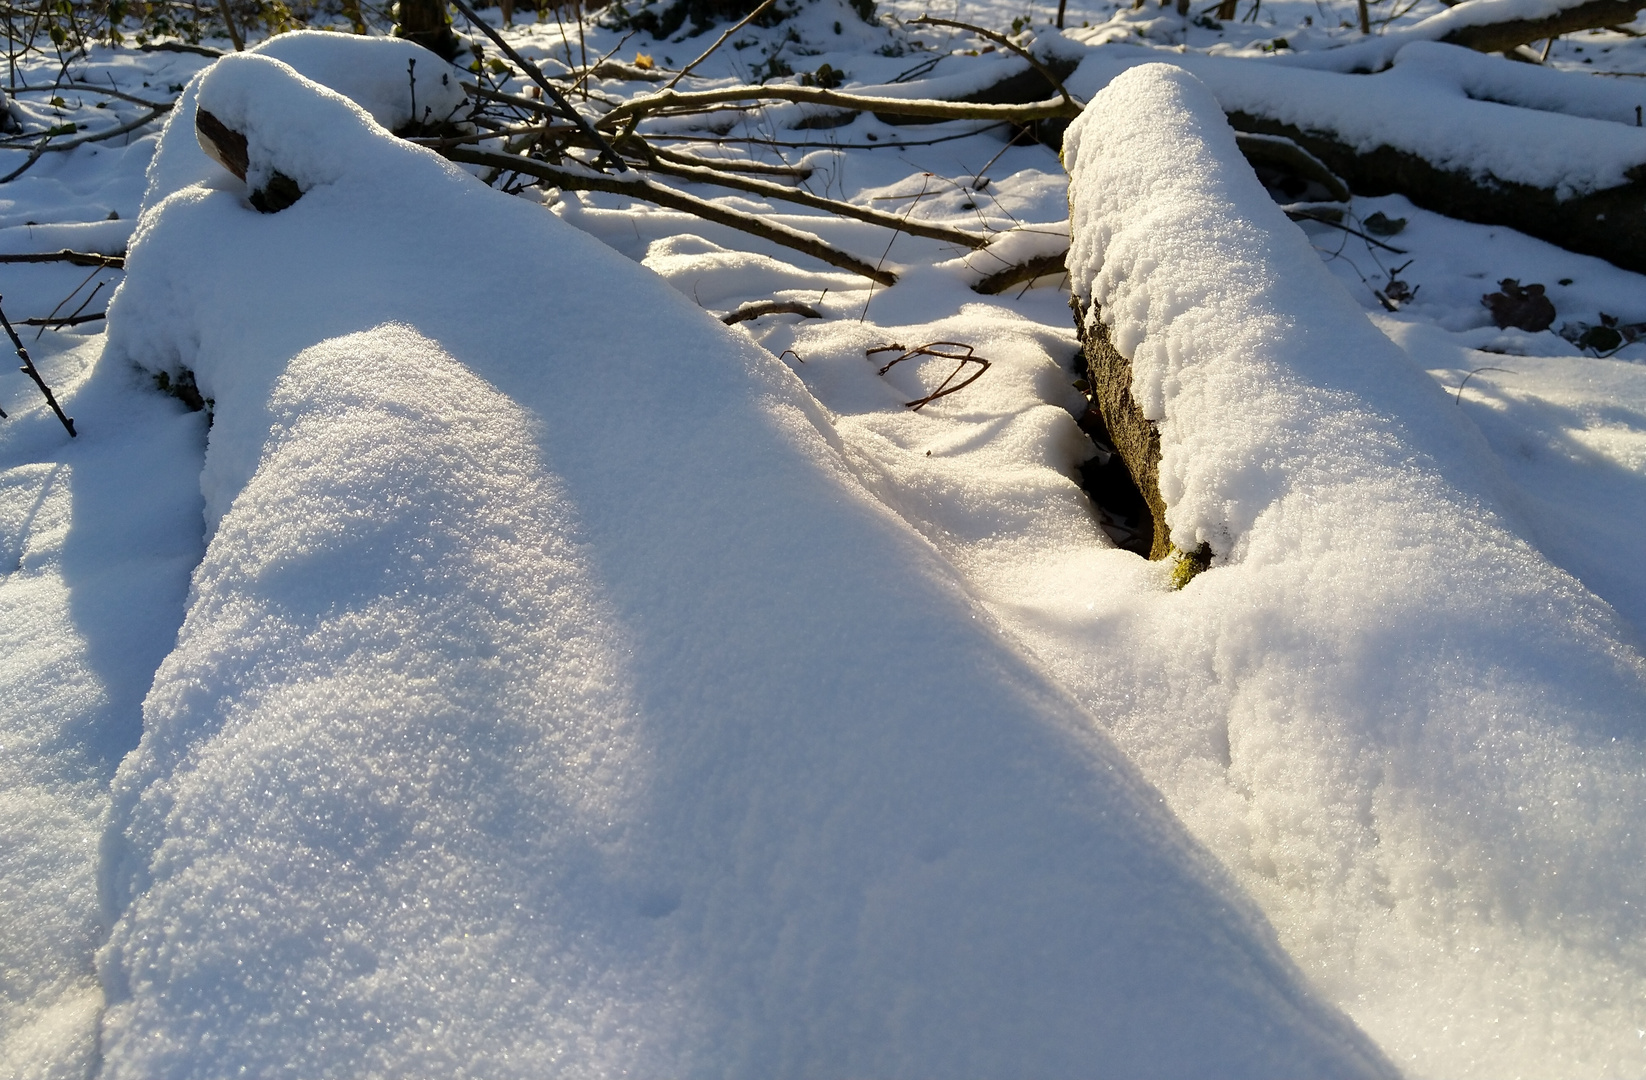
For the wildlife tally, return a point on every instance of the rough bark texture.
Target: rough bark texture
(1503, 36)
(1132, 435)
(1610, 224)
(428, 23)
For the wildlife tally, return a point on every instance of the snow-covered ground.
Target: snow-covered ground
(525, 672)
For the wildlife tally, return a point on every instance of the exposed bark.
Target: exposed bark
(1021, 273)
(429, 24)
(1133, 436)
(1504, 36)
(1610, 224)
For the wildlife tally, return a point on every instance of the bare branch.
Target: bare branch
(637, 187)
(77, 258)
(815, 95)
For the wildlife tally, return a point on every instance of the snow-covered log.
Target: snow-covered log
(553, 698)
(1375, 630)
(1483, 25)
(1573, 180)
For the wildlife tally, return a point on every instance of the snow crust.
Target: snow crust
(1417, 742)
(1422, 108)
(551, 696)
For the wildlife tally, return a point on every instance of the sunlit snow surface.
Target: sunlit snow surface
(512, 723)
(1290, 742)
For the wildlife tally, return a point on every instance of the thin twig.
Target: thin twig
(1304, 215)
(867, 299)
(934, 348)
(1459, 398)
(77, 258)
(586, 73)
(93, 88)
(635, 186)
(721, 40)
(67, 320)
(33, 373)
(712, 141)
(842, 209)
(536, 75)
(799, 172)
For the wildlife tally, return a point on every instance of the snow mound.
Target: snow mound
(1418, 743)
(551, 697)
(388, 78)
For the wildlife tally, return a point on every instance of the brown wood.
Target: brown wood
(1132, 435)
(1503, 36)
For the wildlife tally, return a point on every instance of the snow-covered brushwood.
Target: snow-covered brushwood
(552, 699)
(1421, 743)
(1571, 180)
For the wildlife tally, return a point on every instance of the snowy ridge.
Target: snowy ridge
(1410, 735)
(551, 697)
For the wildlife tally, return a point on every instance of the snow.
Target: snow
(96, 570)
(1339, 486)
(1378, 53)
(1490, 78)
(1366, 762)
(557, 658)
(1418, 108)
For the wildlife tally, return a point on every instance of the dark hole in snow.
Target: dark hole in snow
(182, 388)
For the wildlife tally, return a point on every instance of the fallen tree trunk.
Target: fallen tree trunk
(1483, 25)
(1610, 223)
(1403, 132)
(1506, 35)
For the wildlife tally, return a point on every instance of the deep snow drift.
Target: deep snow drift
(551, 696)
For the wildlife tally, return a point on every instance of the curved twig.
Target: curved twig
(1458, 399)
